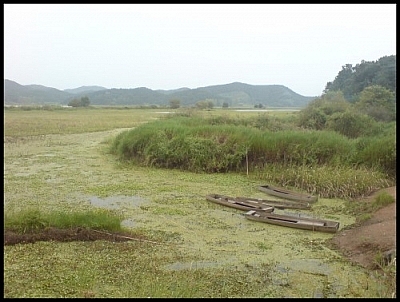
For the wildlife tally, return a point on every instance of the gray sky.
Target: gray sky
(171, 46)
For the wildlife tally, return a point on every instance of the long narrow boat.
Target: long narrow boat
(288, 194)
(239, 203)
(312, 224)
(278, 204)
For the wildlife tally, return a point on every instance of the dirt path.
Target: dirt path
(362, 243)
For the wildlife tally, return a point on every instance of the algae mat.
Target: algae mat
(73, 171)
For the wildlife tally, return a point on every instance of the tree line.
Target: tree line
(352, 80)
(82, 102)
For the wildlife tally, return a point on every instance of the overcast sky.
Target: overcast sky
(169, 46)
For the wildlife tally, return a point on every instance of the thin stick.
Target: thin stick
(130, 238)
(247, 162)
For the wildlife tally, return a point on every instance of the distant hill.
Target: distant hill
(239, 94)
(85, 89)
(16, 94)
(172, 91)
(235, 94)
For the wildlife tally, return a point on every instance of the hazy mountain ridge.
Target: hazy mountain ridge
(235, 94)
(16, 94)
(172, 91)
(85, 89)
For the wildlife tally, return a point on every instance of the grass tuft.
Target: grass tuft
(30, 220)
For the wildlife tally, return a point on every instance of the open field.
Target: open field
(56, 160)
(19, 123)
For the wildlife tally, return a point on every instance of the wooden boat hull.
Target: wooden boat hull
(239, 204)
(311, 224)
(278, 204)
(288, 194)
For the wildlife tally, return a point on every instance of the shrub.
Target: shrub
(350, 123)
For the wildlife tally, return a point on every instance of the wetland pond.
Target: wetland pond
(297, 262)
(73, 172)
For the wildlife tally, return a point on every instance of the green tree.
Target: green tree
(315, 115)
(174, 103)
(74, 103)
(378, 102)
(205, 104)
(386, 75)
(350, 123)
(225, 105)
(351, 80)
(82, 102)
(85, 102)
(343, 82)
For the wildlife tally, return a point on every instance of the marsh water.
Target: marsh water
(74, 172)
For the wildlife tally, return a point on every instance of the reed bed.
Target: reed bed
(32, 219)
(321, 162)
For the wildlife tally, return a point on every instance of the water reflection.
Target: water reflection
(116, 202)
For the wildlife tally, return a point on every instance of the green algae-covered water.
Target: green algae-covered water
(72, 172)
(297, 262)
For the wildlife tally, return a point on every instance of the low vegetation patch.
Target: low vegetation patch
(322, 162)
(363, 210)
(32, 219)
(31, 225)
(336, 181)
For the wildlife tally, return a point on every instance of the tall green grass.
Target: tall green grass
(378, 152)
(299, 148)
(32, 219)
(184, 143)
(201, 144)
(326, 181)
(322, 162)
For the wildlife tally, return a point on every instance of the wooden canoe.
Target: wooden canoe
(278, 204)
(239, 203)
(288, 194)
(311, 224)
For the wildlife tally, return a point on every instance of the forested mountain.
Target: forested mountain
(352, 80)
(234, 94)
(237, 94)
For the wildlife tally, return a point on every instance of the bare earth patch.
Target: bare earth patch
(360, 244)
(66, 235)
